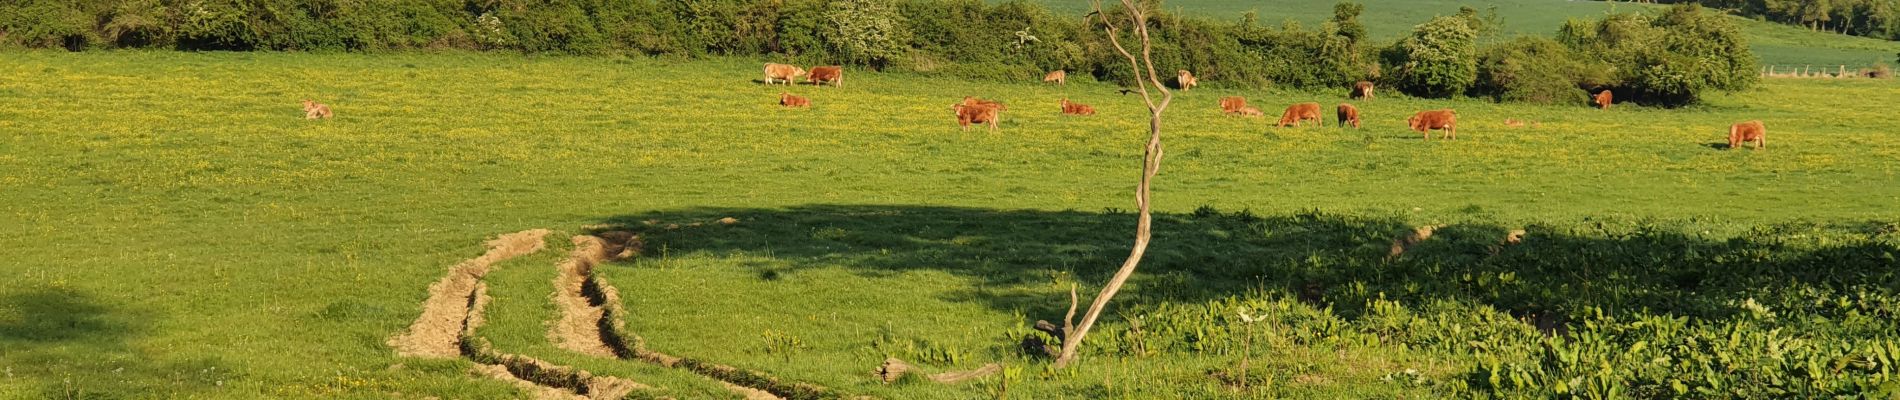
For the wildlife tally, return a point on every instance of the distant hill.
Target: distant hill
(1776, 44)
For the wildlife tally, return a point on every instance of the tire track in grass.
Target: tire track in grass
(591, 307)
(447, 311)
(446, 329)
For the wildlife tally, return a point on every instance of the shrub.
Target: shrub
(1668, 60)
(869, 32)
(1536, 70)
(46, 24)
(1437, 60)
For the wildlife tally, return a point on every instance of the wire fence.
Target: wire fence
(1825, 71)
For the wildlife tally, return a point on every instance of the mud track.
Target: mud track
(446, 329)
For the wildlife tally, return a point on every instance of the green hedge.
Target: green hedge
(1664, 59)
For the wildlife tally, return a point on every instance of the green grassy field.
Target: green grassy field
(1777, 44)
(176, 230)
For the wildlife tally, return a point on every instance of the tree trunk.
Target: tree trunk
(1150, 166)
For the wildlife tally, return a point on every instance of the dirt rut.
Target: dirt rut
(579, 327)
(454, 309)
(445, 314)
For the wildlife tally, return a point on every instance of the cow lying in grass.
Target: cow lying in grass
(793, 101)
(1076, 108)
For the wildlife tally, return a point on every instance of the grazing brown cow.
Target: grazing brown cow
(1426, 121)
(1603, 99)
(973, 101)
(1076, 108)
(1297, 114)
(1361, 90)
(822, 75)
(1057, 76)
(1185, 79)
(1231, 104)
(1751, 131)
(781, 72)
(1249, 112)
(1348, 115)
(977, 114)
(793, 101)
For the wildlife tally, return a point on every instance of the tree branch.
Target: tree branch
(1151, 165)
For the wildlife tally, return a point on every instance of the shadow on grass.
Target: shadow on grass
(70, 344)
(1337, 260)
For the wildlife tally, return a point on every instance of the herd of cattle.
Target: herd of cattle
(973, 110)
(976, 111)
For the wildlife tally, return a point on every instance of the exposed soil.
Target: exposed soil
(579, 327)
(501, 373)
(454, 309)
(436, 333)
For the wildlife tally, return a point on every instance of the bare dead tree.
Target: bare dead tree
(1145, 79)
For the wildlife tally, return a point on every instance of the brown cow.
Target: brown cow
(1249, 112)
(1076, 108)
(977, 114)
(1361, 90)
(1297, 114)
(1185, 79)
(1426, 121)
(822, 75)
(1232, 104)
(1348, 115)
(1603, 99)
(314, 110)
(1058, 76)
(1751, 131)
(973, 101)
(781, 72)
(793, 101)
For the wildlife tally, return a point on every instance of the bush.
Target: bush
(1536, 70)
(1437, 60)
(1668, 60)
(869, 32)
(47, 24)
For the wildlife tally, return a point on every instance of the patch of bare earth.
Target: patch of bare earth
(453, 311)
(437, 332)
(500, 373)
(578, 329)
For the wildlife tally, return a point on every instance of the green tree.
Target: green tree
(1439, 59)
(867, 31)
(1346, 19)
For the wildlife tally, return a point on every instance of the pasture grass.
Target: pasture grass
(177, 230)
(1386, 20)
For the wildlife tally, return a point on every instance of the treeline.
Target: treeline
(1664, 59)
(1871, 18)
